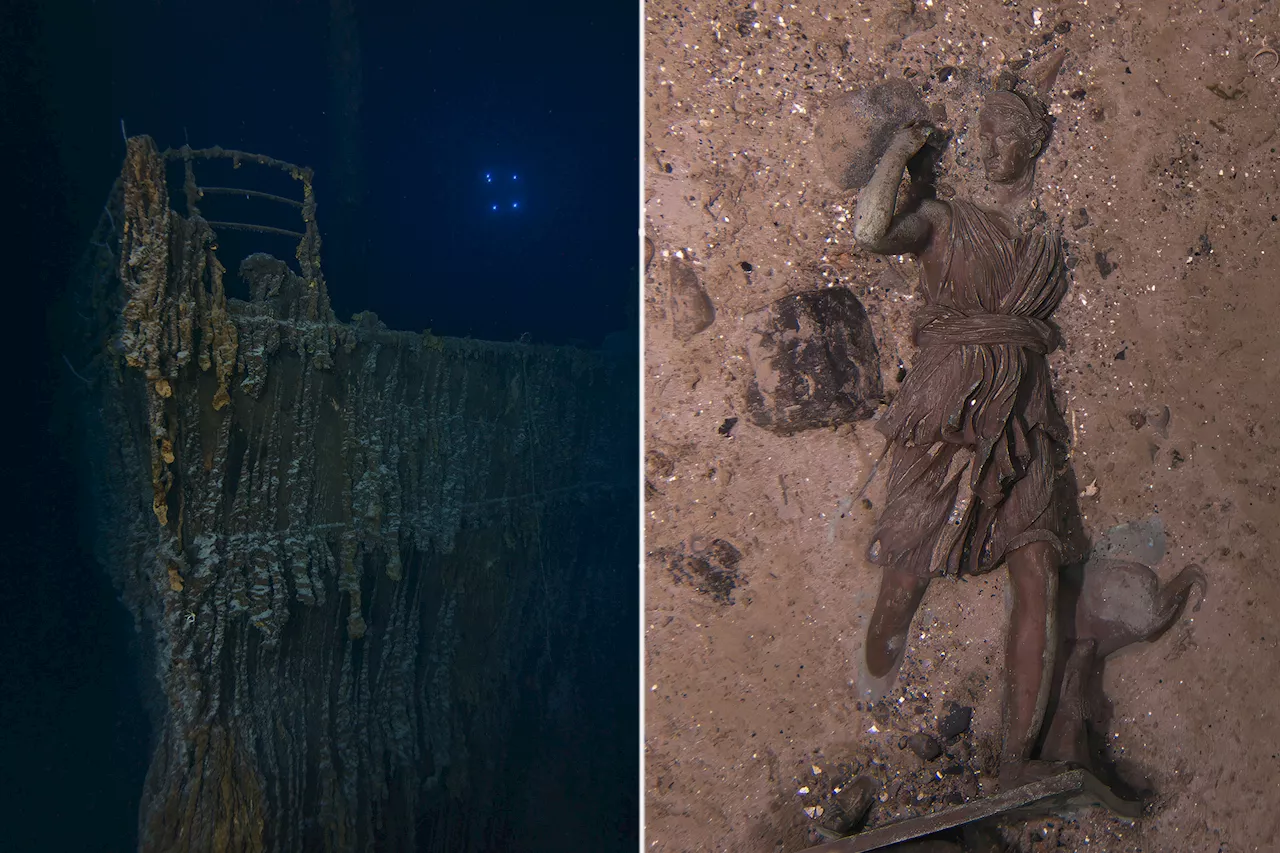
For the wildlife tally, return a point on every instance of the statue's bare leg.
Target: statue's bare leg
(1066, 737)
(1029, 659)
(900, 595)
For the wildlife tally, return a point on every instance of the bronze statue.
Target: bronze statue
(977, 442)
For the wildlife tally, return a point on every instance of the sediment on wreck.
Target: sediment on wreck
(377, 575)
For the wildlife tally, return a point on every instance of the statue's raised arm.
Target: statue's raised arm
(876, 228)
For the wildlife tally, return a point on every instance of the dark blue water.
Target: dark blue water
(402, 122)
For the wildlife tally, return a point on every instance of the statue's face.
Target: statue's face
(1006, 154)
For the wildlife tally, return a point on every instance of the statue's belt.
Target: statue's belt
(943, 327)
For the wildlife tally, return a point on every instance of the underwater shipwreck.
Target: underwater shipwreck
(380, 579)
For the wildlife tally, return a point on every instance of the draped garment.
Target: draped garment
(974, 430)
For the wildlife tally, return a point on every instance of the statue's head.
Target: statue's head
(1013, 130)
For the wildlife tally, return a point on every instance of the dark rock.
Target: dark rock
(1007, 81)
(658, 465)
(815, 362)
(854, 130)
(924, 745)
(1105, 267)
(711, 568)
(691, 308)
(956, 722)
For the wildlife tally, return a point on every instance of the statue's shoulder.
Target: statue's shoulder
(980, 224)
(937, 211)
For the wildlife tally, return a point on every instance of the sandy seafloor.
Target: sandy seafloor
(1166, 134)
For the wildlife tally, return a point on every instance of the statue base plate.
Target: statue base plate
(1060, 795)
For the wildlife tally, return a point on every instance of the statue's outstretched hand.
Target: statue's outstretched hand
(912, 136)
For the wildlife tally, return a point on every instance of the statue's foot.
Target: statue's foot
(886, 643)
(873, 688)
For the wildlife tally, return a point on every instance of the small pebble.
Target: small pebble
(924, 745)
(961, 752)
(855, 801)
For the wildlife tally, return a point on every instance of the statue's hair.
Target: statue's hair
(1029, 116)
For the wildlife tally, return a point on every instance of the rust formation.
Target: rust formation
(367, 566)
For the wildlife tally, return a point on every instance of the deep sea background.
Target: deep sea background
(402, 124)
